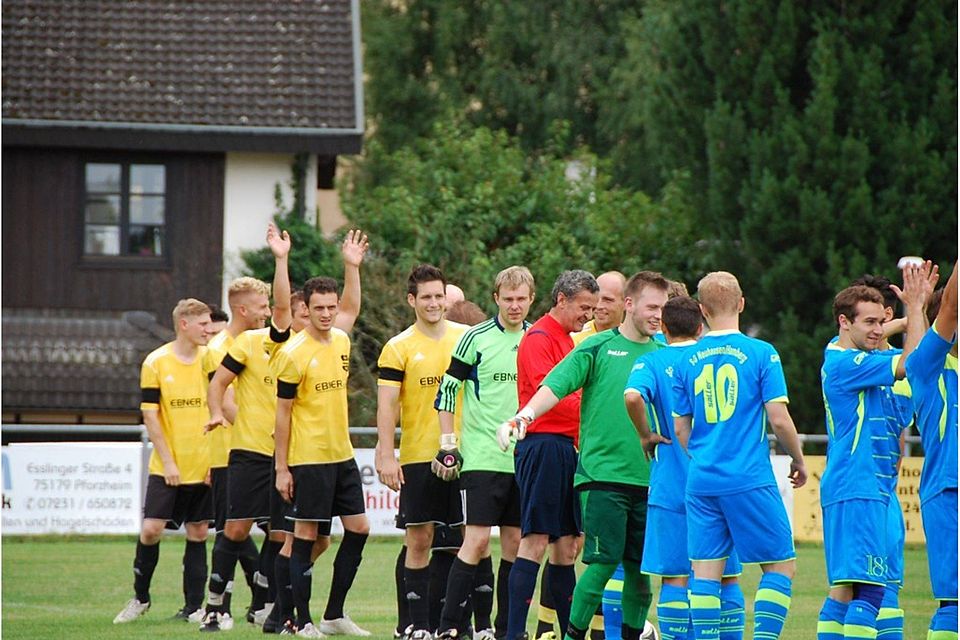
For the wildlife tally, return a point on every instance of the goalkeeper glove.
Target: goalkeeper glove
(515, 426)
(446, 465)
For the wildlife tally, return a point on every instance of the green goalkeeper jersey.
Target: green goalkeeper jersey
(610, 450)
(484, 362)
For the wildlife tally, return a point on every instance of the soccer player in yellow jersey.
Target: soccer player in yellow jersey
(174, 410)
(412, 365)
(249, 301)
(315, 466)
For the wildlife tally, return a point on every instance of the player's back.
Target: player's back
(652, 378)
(723, 382)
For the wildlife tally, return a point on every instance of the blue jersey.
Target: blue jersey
(898, 415)
(932, 372)
(853, 401)
(652, 378)
(723, 382)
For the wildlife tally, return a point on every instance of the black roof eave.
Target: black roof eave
(200, 138)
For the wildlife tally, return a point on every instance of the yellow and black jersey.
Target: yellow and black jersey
(314, 374)
(589, 329)
(255, 389)
(178, 392)
(219, 438)
(415, 363)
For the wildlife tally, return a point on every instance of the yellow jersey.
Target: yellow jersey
(314, 374)
(589, 329)
(219, 438)
(178, 392)
(255, 388)
(415, 363)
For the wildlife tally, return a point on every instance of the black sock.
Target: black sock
(268, 567)
(545, 624)
(249, 558)
(574, 633)
(629, 633)
(345, 567)
(459, 586)
(503, 597)
(223, 565)
(194, 573)
(483, 594)
(257, 580)
(284, 602)
(417, 587)
(301, 579)
(440, 563)
(563, 578)
(403, 610)
(144, 563)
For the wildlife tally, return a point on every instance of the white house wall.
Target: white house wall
(249, 183)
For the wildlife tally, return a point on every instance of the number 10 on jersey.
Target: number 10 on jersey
(719, 392)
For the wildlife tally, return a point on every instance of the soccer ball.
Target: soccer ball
(649, 632)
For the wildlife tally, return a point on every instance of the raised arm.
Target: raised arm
(353, 249)
(388, 412)
(946, 322)
(917, 288)
(279, 243)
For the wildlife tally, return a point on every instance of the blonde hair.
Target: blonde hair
(719, 293)
(513, 277)
(188, 308)
(676, 290)
(245, 285)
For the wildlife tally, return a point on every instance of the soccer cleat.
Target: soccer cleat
(215, 621)
(131, 611)
(342, 627)
(547, 635)
(649, 631)
(310, 630)
(420, 634)
(485, 634)
(287, 629)
(195, 616)
(447, 634)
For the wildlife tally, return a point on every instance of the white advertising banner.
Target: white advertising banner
(781, 469)
(88, 487)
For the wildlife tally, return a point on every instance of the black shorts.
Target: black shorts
(218, 494)
(322, 491)
(186, 503)
(446, 538)
(546, 463)
(425, 498)
(249, 487)
(490, 498)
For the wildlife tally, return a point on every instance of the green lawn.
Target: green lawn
(72, 588)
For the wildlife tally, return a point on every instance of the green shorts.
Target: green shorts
(614, 522)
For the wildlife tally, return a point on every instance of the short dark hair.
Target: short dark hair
(572, 282)
(320, 284)
(933, 305)
(423, 273)
(682, 317)
(217, 314)
(642, 279)
(881, 284)
(845, 303)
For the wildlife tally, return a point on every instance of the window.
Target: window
(123, 209)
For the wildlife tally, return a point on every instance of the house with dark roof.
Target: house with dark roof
(142, 142)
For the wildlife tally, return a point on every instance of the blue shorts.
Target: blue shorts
(896, 534)
(754, 523)
(855, 541)
(940, 527)
(665, 546)
(545, 464)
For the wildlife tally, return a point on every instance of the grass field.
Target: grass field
(72, 588)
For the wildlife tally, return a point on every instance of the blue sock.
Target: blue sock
(830, 624)
(523, 582)
(944, 624)
(705, 608)
(673, 613)
(563, 580)
(732, 614)
(613, 605)
(770, 606)
(860, 621)
(890, 617)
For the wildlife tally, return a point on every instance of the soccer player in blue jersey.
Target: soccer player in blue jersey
(649, 392)
(725, 390)
(853, 496)
(932, 372)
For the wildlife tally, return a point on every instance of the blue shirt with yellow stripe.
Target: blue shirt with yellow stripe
(854, 404)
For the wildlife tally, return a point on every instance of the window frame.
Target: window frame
(124, 260)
